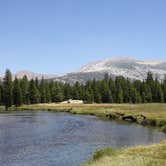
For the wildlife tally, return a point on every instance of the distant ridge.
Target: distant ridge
(32, 75)
(119, 66)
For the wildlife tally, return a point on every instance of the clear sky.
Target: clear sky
(58, 36)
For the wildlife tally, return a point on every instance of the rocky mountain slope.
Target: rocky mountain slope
(127, 67)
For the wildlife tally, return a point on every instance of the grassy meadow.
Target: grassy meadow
(153, 155)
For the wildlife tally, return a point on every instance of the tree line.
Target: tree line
(119, 90)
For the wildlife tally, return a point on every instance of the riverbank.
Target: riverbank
(152, 155)
(144, 114)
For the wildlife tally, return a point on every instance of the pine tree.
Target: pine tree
(57, 92)
(146, 93)
(89, 95)
(24, 84)
(149, 79)
(48, 94)
(112, 88)
(138, 86)
(134, 95)
(158, 95)
(150, 82)
(96, 91)
(88, 98)
(119, 90)
(164, 89)
(51, 88)
(34, 94)
(119, 95)
(127, 91)
(42, 89)
(76, 90)
(17, 94)
(37, 83)
(7, 89)
(106, 93)
(1, 93)
(67, 91)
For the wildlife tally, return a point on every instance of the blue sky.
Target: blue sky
(58, 36)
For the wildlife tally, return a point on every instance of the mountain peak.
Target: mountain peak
(120, 58)
(127, 67)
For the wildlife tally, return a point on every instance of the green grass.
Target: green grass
(153, 155)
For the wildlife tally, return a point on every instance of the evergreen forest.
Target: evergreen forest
(119, 90)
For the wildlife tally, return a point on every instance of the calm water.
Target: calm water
(60, 139)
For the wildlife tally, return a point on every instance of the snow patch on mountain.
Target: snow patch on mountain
(152, 63)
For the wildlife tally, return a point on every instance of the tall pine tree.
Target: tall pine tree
(17, 93)
(34, 94)
(24, 84)
(7, 90)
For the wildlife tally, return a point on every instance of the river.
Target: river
(41, 138)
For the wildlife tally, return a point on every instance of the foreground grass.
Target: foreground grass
(153, 155)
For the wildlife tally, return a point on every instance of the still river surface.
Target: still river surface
(60, 139)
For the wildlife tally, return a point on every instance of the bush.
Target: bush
(163, 128)
(101, 153)
(161, 123)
